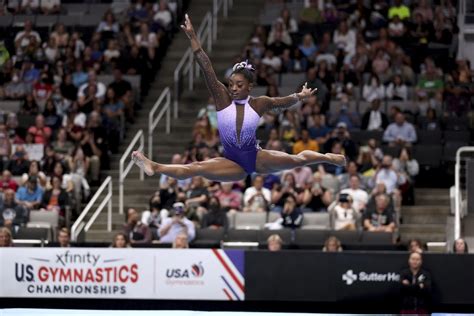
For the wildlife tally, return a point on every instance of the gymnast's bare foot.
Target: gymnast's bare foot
(143, 162)
(337, 159)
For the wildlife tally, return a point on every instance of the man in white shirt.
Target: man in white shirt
(401, 132)
(374, 119)
(23, 38)
(257, 198)
(359, 196)
(171, 227)
(388, 176)
(101, 88)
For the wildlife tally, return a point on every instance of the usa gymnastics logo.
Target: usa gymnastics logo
(197, 270)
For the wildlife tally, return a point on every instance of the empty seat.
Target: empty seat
(250, 220)
(310, 238)
(10, 106)
(34, 233)
(450, 149)
(318, 221)
(376, 238)
(457, 123)
(258, 91)
(429, 137)
(231, 219)
(242, 235)
(364, 106)
(457, 136)
(208, 238)
(347, 237)
(428, 156)
(46, 20)
(43, 219)
(285, 235)
(273, 216)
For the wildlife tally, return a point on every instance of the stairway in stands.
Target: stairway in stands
(240, 21)
(427, 219)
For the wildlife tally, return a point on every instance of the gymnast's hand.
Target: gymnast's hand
(188, 28)
(306, 92)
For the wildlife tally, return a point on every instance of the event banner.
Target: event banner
(207, 274)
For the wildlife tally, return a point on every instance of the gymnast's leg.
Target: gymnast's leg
(270, 161)
(216, 169)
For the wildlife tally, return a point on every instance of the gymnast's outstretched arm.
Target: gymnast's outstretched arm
(216, 88)
(265, 104)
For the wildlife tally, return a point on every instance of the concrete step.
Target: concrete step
(424, 219)
(423, 229)
(425, 210)
(100, 235)
(423, 237)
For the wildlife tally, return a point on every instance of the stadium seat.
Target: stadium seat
(391, 150)
(34, 233)
(347, 237)
(361, 137)
(450, 149)
(457, 123)
(43, 219)
(242, 235)
(457, 136)
(428, 156)
(364, 106)
(429, 137)
(208, 238)
(10, 106)
(318, 221)
(404, 106)
(335, 107)
(273, 216)
(376, 238)
(250, 220)
(310, 238)
(231, 219)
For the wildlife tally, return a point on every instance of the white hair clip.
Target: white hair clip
(243, 64)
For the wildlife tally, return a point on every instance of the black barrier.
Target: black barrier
(347, 277)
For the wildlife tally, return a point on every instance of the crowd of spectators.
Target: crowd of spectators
(69, 120)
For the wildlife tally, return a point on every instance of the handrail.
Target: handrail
(207, 31)
(153, 122)
(124, 172)
(189, 58)
(79, 225)
(457, 194)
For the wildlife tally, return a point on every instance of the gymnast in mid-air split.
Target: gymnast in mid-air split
(238, 116)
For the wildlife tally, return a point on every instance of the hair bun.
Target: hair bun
(243, 65)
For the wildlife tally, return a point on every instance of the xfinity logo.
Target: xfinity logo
(350, 277)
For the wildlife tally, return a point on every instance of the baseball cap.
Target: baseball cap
(341, 125)
(178, 207)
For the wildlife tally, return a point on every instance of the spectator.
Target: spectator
(5, 146)
(181, 241)
(96, 145)
(216, 216)
(5, 237)
(460, 246)
(163, 17)
(415, 287)
(257, 198)
(120, 241)
(12, 214)
(381, 218)
(112, 52)
(147, 41)
(51, 118)
(138, 232)
(62, 146)
(155, 215)
(60, 34)
(289, 21)
(108, 24)
(318, 129)
(288, 186)
(34, 170)
(308, 48)
(100, 88)
(345, 216)
(373, 89)
(30, 195)
(272, 61)
(399, 9)
(396, 29)
(16, 88)
(360, 198)
(397, 89)
(123, 91)
(291, 215)
(332, 244)
(415, 245)
(429, 122)
(374, 119)
(406, 166)
(345, 38)
(18, 164)
(178, 223)
(6, 182)
(25, 37)
(401, 132)
(305, 143)
(388, 176)
(68, 92)
(274, 243)
(310, 17)
(55, 199)
(341, 135)
(64, 238)
(40, 131)
(317, 198)
(197, 196)
(230, 200)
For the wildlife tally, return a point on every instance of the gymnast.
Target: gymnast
(238, 115)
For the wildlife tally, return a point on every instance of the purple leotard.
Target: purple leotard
(243, 151)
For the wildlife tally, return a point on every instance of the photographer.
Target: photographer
(291, 215)
(345, 216)
(171, 227)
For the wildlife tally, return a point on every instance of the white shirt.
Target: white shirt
(375, 121)
(346, 41)
(150, 41)
(163, 17)
(343, 217)
(389, 178)
(100, 90)
(25, 41)
(250, 192)
(176, 229)
(274, 62)
(359, 198)
(49, 4)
